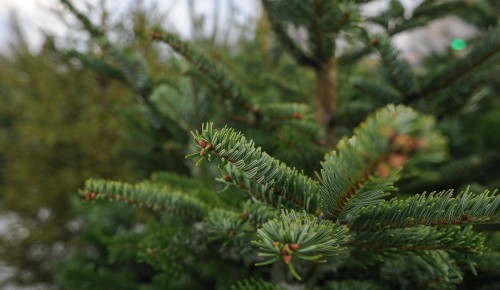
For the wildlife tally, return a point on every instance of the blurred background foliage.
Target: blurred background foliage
(60, 124)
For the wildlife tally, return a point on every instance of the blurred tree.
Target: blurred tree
(59, 126)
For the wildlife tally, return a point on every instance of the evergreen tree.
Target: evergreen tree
(56, 122)
(388, 131)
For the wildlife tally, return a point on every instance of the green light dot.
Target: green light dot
(458, 44)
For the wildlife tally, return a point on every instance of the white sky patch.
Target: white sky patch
(36, 15)
(32, 14)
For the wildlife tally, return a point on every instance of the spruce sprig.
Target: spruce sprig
(301, 236)
(147, 195)
(213, 71)
(396, 69)
(434, 209)
(364, 167)
(487, 48)
(422, 238)
(285, 183)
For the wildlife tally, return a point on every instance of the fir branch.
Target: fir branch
(208, 68)
(371, 190)
(394, 22)
(300, 236)
(133, 67)
(432, 9)
(257, 214)
(462, 242)
(365, 166)
(323, 46)
(286, 41)
(96, 64)
(431, 210)
(408, 24)
(236, 229)
(167, 248)
(485, 50)
(169, 100)
(283, 182)
(181, 182)
(397, 70)
(285, 111)
(129, 68)
(323, 21)
(123, 246)
(429, 269)
(87, 24)
(377, 90)
(259, 192)
(223, 223)
(143, 194)
(352, 56)
(136, 75)
(348, 13)
(394, 14)
(307, 131)
(362, 48)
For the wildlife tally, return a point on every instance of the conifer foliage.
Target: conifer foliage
(283, 217)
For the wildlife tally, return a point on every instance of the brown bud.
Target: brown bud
(285, 250)
(397, 160)
(89, 196)
(404, 142)
(227, 178)
(298, 116)
(202, 143)
(287, 259)
(208, 146)
(244, 215)
(202, 152)
(276, 244)
(155, 34)
(382, 169)
(420, 143)
(294, 246)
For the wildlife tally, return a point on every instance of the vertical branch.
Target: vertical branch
(216, 21)
(326, 77)
(321, 58)
(230, 20)
(326, 100)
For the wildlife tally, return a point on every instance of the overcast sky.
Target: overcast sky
(35, 15)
